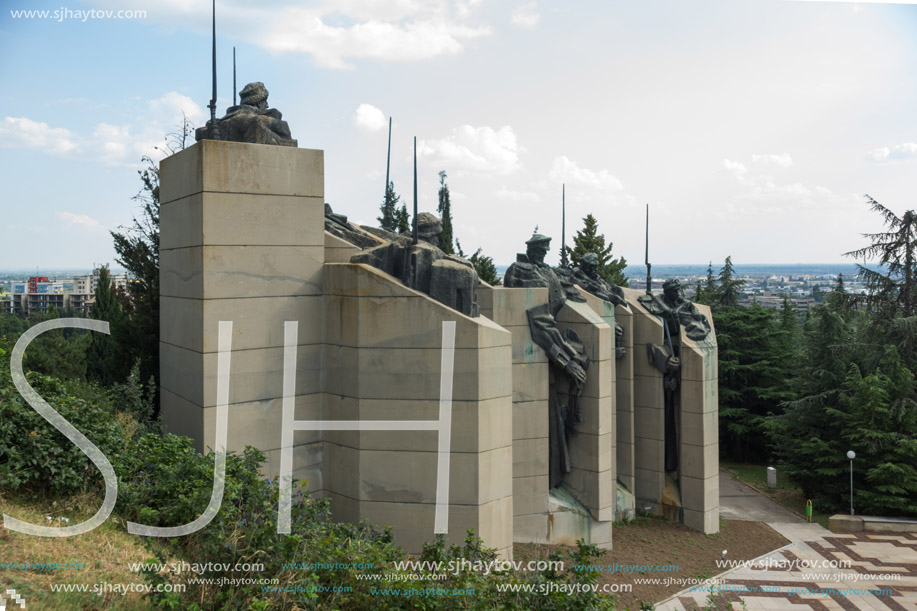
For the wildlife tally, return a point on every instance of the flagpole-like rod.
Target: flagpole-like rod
(234, 76)
(649, 275)
(563, 225)
(214, 133)
(388, 160)
(414, 234)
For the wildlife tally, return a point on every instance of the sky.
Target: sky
(752, 128)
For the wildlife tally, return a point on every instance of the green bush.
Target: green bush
(34, 455)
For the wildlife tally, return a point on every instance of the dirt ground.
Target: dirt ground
(654, 542)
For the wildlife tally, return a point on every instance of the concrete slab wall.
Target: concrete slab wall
(241, 229)
(382, 361)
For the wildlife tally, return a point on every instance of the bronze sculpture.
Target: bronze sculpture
(567, 358)
(251, 121)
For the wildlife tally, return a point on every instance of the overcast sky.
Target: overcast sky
(751, 127)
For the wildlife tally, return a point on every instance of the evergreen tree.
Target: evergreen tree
(402, 220)
(587, 240)
(445, 214)
(727, 290)
(706, 293)
(53, 353)
(105, 359)
(483, 265)
(389, 209)
(896, 250)
(754, 365)
(137, 250)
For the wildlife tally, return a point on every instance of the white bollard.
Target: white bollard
(771, 477)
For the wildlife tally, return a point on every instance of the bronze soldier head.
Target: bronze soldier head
(537, 247)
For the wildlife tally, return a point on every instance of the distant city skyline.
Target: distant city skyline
(752, 129)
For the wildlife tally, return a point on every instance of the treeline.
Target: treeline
(802, 392)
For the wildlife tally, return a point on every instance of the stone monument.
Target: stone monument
(251, 121)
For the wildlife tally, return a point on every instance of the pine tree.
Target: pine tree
(587, 240)
(389, 218)
(727, 291)
(706, 293)
(896, 250)
(445, 214)
(483, 265)
(105, 358)
(402, 220)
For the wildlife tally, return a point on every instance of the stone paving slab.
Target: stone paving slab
(819, 570)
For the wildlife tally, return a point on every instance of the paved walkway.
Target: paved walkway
(739, 501)
(818, 570)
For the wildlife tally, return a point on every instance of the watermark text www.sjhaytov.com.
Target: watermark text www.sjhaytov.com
(66, 14)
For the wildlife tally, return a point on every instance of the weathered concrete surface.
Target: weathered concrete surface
(741, 502)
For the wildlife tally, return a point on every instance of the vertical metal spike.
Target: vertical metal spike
(234, 76)
(414, 236)
(388, 159)
(563, 225)
(213, 131)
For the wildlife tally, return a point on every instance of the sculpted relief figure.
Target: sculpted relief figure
(251, 121)
(586, 276)
(449, 279)
(568, 361)
(675, 311)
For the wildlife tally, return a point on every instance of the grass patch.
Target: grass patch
(787, 493)
(104, 553)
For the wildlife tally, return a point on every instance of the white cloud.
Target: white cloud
(516, 196)
(369, 118)
(26, 133)
(566, 170)
(418, 38)
(526, 16)
(108, 144)
(474, 149)
(737, 168)
(783, 160)
(899, 152)
(81, 221)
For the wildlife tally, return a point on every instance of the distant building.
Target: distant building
(39, 293)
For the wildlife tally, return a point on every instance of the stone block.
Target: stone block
(595, 490)
(241, 219)
(649, 423)
(258, 322)
(254, 374)
(308, 463)
(530, 382)
(699, 365)
(598, 415)
(476, 426)
(707, 522)
(624, 463)
(530, 457)
(222, 272)
(414, 374)
(260, 423)
(699, 429)
(591, 452)
(648, 485)
(524, 349)
(530, 419)
(701, 462)
(531, 528)
(700, 494)
(648, 392)
(341, 470)
(599, 378)
(495, 520)
(699, 397)
(649, 454)
(238, 167)
(338, 250)
(410, 477)
(530, 494)
(510, 305)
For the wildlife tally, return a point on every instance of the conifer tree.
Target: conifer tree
(727, 290)
(587, 240)
(389, 218)
(402, 220)
(445, 214)
(105, 358)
